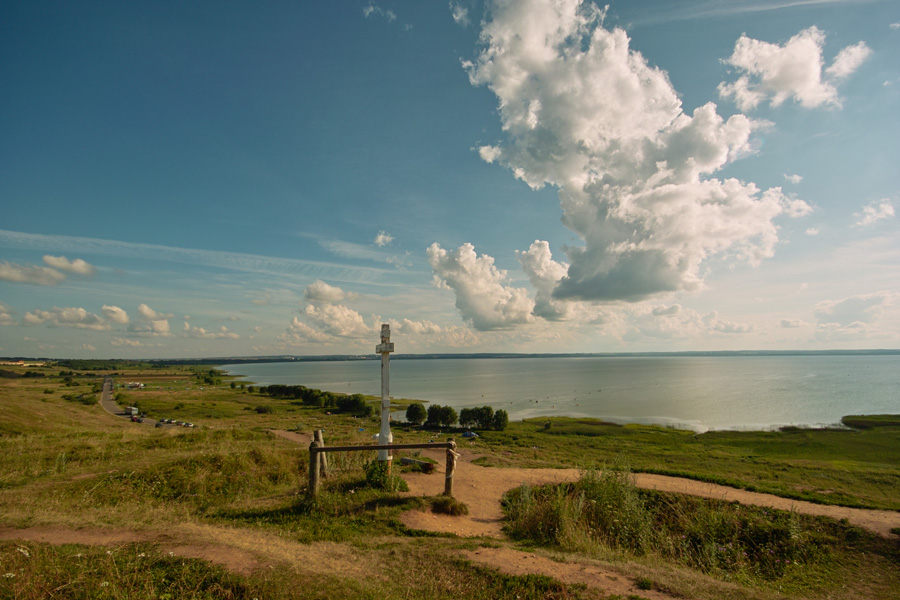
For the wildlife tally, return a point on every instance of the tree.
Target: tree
(416, 413)
(448, 416)
(501, 420)
(434, 415)
(485, 417)
(467, 418)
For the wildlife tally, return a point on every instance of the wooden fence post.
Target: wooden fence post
(451, 467)
(323, 457)
(313, 468)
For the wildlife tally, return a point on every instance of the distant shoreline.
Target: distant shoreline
(223, 360)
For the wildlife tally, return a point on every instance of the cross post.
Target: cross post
(385, 348)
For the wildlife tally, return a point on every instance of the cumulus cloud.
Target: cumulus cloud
(321, 292)
(74, 317)
(337, 320)
(6, 315)
(383, 239)
(544, 274)
(324, 319)
(30, 274)
(481, 296)
(584, 112)
(201, 333)
(152, 323)
(793, 178)
(124, 342)
(115, 314)
(776, 73)
(74, 266)
(874, 212)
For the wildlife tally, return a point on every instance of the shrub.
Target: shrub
(447, 505)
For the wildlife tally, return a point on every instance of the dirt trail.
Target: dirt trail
(481, 489)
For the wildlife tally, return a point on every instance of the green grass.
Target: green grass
(72, 466)
(845, 467)
(604, 512)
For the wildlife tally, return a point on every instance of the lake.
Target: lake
(692, 392)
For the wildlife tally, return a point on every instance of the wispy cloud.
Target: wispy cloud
(235, 261)
(712, 9)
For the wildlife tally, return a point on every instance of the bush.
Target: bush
(263, 409)
(378, 476)
(355, 405)
(447, 505)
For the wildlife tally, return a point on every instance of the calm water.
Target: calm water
(699, 393)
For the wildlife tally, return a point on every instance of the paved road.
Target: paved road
(107, 402)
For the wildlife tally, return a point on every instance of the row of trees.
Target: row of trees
(444, 416)
(354, 404)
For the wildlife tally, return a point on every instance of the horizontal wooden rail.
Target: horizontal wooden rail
(314, 448)
(317, 448)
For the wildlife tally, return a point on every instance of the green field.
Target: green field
(68, 466)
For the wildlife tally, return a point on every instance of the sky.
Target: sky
(217, 179)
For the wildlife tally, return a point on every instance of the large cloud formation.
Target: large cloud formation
(481, 294)
(584, 112)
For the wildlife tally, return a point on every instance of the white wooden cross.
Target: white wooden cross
(385, 348)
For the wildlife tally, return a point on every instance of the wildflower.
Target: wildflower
(109, 552)
(79, 555)
(24, 551)
(9, 575)
(104, 584)
(141, 555)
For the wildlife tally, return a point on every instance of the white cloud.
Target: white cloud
(64, 264)
(383, 239)
(481, 296)
(848, 61)
(123, 342)
(115, 314)
(895, 25)
(30, 274)
(88, 347)
(150, 314)
(862, 308)
(338, 320)
(584, 112)
(811, 231)
(299, 332)
(776, 73)
(199, 332)
(6, 315)
(460, 14)
(77, 318)
(544, 274)
(874, 212)
(153, 323)
(320, 292)
(793, 178)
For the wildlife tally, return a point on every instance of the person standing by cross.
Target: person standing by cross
(385, 348)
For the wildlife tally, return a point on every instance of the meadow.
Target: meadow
(94, 506)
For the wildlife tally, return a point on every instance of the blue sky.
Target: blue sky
(221, 179)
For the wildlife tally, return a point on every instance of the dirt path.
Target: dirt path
(481, 489)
